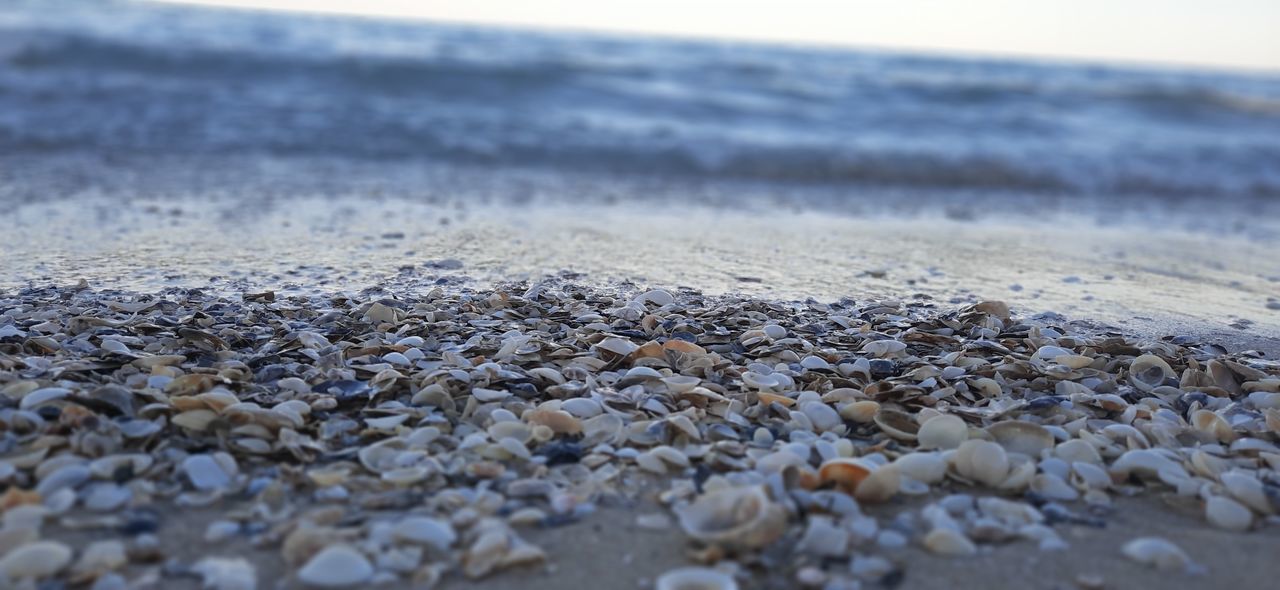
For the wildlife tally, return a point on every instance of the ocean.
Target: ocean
(133, 78)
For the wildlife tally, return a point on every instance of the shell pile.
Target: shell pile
(375, 439)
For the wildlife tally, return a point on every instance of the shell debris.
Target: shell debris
(409, 438)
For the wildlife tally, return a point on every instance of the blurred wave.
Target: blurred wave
(125, 77)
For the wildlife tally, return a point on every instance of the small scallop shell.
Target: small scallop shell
(897, 424)
(943, 432)
(695, 578)
(1017, 436)
(1149, 371)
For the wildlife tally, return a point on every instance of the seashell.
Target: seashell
(1248, 491)
(581, 407)
(982, 461)
(226, 573)
(741, 516)
(1212, 424)
(942, 432)
(1053, 487)
(196, 420)
(424, 530)
(1227, 514)
(823, 537)
(98, 558)
(948, 542)
(695, 578)
(489, 395)
(824, 418)
(880, 485)
(928, 468)
(773, 398)
(845, 474)
(44, 396)
(336, 566)
(862, 412)
(1148, 371)
(1158, 553)
(69, 476)
(681, 383)
(35, 561)
(1077, 450)
(1146, 463)
(559, 421)
(209, 472)
(1017, 436)
(883, 348)
(897, 424)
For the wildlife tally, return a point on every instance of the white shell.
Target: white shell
(929, 468)
(943, 432)
(1149, 371)
(1021, 437)
(425, 530)
(35, 561)
(735, 516)
(949, 542)
(1228, 514)
(982, 461)
(225, 573)
(1248, 491)
(336, 566)
(1158, 553)
(695, 578)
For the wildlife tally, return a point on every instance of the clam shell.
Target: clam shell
(948, 542)
(982, 461)
(929, 468)
(1213, 425)
(1248, 491)
(846, 474)
(1017, 436)
(897, 424)
(880, 485)
(943, 432)
(37, 560)
(1227, 514)
(862, 411)
(1149, 371)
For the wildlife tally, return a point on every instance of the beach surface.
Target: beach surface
(293, 301)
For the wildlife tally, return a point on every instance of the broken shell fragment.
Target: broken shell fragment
(695, 578)
(742, 516)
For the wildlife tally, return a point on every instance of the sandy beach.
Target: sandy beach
(292, 301)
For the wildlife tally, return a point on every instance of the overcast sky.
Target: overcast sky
(1224, 33)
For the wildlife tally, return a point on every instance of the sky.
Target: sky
(1236, 34)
